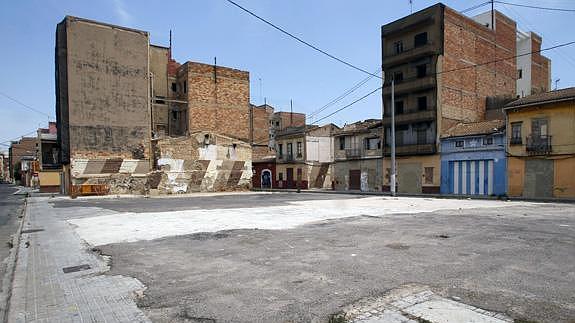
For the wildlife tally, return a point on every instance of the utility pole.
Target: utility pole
(382, 140)
(493, 14)
(392, 179)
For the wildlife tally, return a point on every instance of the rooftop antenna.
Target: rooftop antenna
(411, 5)
(290, 112)
(170, 43)
(557, 84)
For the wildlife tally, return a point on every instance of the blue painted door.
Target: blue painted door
(471, 177)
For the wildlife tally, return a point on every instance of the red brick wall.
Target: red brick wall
(540, 66)
(25, 147)
(219, 104)
(467, 42)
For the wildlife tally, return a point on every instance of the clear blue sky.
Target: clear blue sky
(203, 29)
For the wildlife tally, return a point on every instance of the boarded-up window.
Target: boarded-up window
(428, 175)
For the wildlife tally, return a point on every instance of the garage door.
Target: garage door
(471, 177)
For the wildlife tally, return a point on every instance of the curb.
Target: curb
(12, 259)
(438, 196)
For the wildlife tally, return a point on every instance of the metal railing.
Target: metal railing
(537, 144)
(353, 152)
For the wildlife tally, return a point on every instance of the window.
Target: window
(280, 149)
(539, 127)
(487, 141)
(341, 143)
(428, 174)
(299, 149)
(398, 47)
(421, 136)
(519, 74)
(290, 150)
(460, 143)
(420, 39)
(421, 70)
(516, 133)
(398, 77)
(185, 86)
(398, 107)
(281, 176)
(422, 103)
(174, 87)
(277, 123)
(372, 144)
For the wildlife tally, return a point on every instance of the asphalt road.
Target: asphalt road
(517, 260)
(10, 207)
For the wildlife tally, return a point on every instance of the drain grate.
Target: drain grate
(76, 268)
(32, 230)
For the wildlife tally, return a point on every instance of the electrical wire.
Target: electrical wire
(24, 135)
(302, 41)
(25, 105)
(535, 7)
(340, 97)
(348, 105)
(475, 7)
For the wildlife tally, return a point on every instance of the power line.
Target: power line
(302, 41)
(349, 105)
(24, 135)
(475, 7)
(24, 105)
(506, 58)
(340, 97)
(536, 7)
(523, 19)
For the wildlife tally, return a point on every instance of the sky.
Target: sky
(281, 69)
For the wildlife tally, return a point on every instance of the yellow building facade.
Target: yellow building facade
(541, 145)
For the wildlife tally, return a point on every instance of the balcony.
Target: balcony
(413, 117)
(417, 149)
(538, 145)
(409, 55)
(286, 158)
(411, 85)
(353, 153)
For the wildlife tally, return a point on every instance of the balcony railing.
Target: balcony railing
(515, 141)
(409, 54)
(537, 144)
(353, 152)
(286, 158)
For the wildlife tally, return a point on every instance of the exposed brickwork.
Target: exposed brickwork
(466, 42)
(260, 137)
(24, 147)
(540, 68)
(218, 100)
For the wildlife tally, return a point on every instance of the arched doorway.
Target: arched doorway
(266, 178)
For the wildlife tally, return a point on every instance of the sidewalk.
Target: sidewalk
(58, 279)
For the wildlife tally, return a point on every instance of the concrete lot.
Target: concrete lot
(291, 257)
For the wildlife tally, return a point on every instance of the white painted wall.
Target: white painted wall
(524, 63)
(319, 149)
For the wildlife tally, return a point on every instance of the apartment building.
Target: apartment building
(440, 61)
(541, 149)
(357, 156)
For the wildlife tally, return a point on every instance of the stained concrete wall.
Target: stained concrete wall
(105, 86)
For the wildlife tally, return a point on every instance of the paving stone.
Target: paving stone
(43, 292)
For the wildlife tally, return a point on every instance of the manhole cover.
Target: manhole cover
(76, 268)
